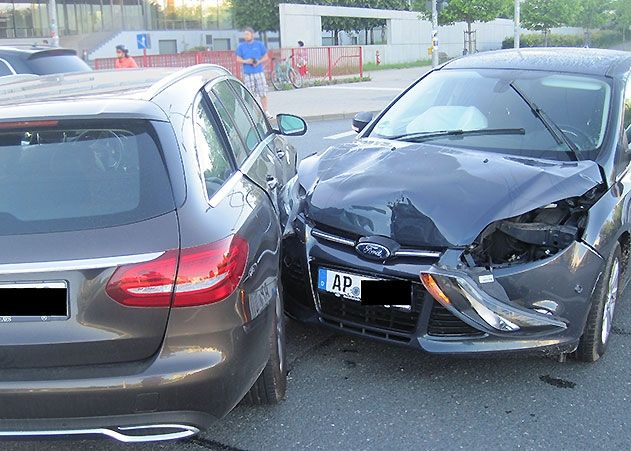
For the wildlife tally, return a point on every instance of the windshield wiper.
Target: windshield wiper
(421, 136)
(550, 125)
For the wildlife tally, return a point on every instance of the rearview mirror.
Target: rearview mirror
(361, 120)
(290, 125)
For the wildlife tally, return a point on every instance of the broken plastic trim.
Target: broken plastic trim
(532, 236)
(481, 310)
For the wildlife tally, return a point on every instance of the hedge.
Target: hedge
(600, 39)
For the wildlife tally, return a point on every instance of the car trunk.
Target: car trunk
(97, 329)
(79, 202)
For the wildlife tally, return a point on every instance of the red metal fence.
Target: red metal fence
(320, 62)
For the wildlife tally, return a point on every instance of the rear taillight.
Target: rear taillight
(205, 274)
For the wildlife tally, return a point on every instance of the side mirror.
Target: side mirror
(290, 125)
(361, 120)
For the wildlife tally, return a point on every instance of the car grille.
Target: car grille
(390, 323)
(443, 323)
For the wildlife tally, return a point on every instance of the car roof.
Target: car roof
(573, 60)
(103, 93)
(28, 50)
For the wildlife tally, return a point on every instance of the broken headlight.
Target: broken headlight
(532, 236)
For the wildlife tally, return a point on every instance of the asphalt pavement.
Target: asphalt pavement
(349, 393)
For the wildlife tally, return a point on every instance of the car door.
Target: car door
(285, 153)
(249, 143)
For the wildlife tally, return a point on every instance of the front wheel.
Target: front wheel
(271, 385)
(597, 331)
(295, 78)
(276, 81)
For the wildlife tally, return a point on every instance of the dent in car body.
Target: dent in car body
(424, 195)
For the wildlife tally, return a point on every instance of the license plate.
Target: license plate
(341, 283)
(39, 301)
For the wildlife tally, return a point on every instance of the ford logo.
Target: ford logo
(373, 251)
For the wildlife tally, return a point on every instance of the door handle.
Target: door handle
(272, 182)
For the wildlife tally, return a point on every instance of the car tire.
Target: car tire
(597, 332)
(271, 385)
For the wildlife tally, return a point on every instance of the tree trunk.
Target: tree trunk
(264, 36)
(545, 37)
(469, 32)
(372, 36)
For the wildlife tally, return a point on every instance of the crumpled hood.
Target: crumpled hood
(424, 195)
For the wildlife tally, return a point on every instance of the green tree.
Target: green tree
(542, 15)
(262, 15)
(622, 14)
(590, 14)
(471, 11)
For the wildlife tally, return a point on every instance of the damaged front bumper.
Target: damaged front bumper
(538, 306)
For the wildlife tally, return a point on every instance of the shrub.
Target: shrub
(600, 39)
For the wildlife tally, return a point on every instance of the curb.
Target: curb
(332, 116)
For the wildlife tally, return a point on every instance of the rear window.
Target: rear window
(74, 177)
(56, 64)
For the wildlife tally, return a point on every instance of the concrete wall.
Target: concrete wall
(185, 39)
(407, 37)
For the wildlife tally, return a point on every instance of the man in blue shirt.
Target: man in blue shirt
(252, 54)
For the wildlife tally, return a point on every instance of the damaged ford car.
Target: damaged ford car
(486, 210)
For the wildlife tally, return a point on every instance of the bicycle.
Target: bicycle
(284, 74)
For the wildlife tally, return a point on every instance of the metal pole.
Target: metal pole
(52, 20)
(517, 23)
(434, 34)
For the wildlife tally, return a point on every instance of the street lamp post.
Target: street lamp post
(434, 33)
(517, 23)
(52, 21)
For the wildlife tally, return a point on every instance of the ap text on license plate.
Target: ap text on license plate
(341, 283)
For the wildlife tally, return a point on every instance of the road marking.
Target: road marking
(358, 88)
(341, 135)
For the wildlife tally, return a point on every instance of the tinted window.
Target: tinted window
(236, 143)
(253, 108)
(627, 113)
(627, 107)
(76, 176)
(4, 69)
(246, 128)
(56, 64)
(214, 164)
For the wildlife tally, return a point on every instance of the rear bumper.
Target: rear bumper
(196, 377)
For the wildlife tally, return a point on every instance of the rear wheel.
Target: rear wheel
(597, 331)
(295, 78)
(276, 81)
(271, 385)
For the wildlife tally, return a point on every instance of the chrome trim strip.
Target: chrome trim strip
(256, 153)
(318, 234)
(183, 431)
(225, 189)
(418, 254)
(333, 238)
(76, 265)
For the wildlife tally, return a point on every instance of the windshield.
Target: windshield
(56, 64)
(77, 176)
(491, 110)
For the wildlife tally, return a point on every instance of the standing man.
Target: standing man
(253, 54)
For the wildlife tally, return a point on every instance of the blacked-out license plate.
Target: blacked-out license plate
(38, 300)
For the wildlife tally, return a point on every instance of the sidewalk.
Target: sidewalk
(345, 100)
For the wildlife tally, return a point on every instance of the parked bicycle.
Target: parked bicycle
(284, 74)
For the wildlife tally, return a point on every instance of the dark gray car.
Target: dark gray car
(486, 210)
(140, 252)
